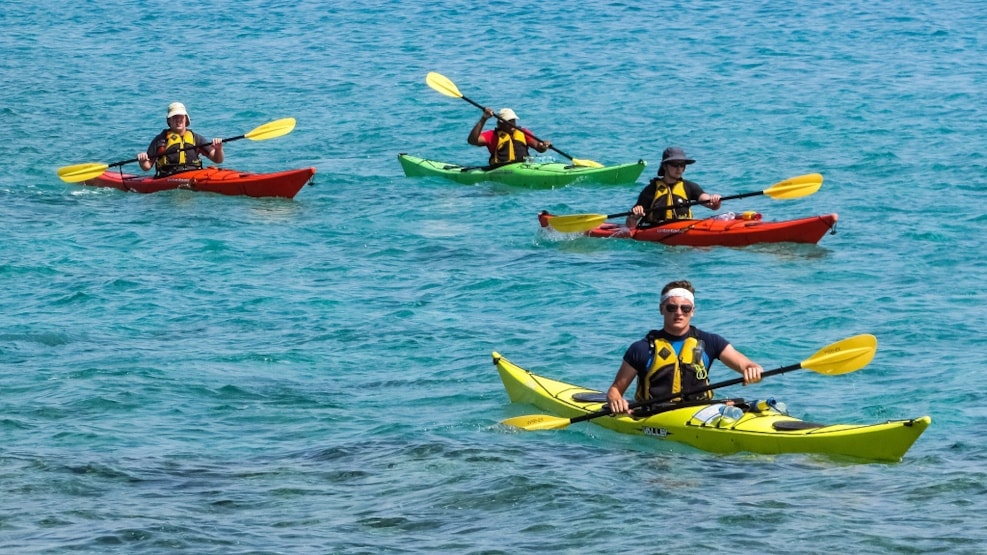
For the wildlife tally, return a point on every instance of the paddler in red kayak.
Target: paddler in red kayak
(167, 151)
(677, 357)
(507, 142)
(656, 203)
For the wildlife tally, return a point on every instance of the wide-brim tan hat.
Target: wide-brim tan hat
(506, 114)
(178, 109)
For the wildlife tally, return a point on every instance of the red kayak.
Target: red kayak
(719, 232)
(214, 180)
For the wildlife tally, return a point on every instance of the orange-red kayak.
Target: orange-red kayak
(214, 180)
(718, 232)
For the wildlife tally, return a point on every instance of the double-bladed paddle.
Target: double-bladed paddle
(849, 355)
(793, 187)
(84, 172)
(442, 84)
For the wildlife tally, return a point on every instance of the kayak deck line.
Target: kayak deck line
(698, 426)
(225, 181)
(528, 174)
(710, 232)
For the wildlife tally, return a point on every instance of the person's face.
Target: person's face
(177, 122)
(677, 311)
(674, 170)
(507, 124)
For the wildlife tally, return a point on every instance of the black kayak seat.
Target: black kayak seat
(795, 425)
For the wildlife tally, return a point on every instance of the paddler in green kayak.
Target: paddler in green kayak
(677, 357)
(169, 151)
(657, 202)
(507, 142)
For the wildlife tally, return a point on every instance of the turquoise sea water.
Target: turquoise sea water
(194, 373)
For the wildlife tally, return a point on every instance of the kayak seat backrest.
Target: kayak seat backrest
(795, 425)
(590, 397)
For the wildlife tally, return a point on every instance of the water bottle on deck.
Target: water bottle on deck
(729, 415)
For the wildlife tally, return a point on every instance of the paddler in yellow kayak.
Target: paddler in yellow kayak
(167, 152)
(656, 203)
(677, 357)
(507, 142)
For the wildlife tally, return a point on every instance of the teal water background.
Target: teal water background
(185, 372)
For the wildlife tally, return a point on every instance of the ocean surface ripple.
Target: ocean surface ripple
(187, 372)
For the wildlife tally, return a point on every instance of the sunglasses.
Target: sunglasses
(673, 308)
(676, 164)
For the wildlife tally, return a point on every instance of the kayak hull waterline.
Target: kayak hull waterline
(716, 232)
(523, 174)
(284, 184)
(755, 432)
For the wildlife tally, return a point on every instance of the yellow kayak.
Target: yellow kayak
(759, 429)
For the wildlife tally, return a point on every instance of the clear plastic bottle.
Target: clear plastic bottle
(729, 415)
(725, 216)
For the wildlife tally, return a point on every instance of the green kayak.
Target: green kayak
(544, 175)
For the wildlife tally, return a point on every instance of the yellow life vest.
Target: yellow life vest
(174, 157)
(665, 199)
(672, 372)
(511, 147)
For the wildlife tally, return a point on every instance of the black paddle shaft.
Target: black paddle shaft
(192, 147)
(667, 398)
(693, 203)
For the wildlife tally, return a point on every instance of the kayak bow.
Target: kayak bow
(765, 431)
(718, 232)
(284, 184)
(523, 174)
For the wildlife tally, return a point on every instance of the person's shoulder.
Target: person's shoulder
(714, 340)
(703, 333)
(646, 341)
(640, 350)
(161, 136)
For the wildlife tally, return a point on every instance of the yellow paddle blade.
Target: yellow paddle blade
(576, 223)
(795, 187)
(537, 422)
(271, 130)
(442, 84)
(586, 163)
(848, 355)
(81, 172)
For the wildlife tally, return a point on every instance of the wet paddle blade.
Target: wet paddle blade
(576, 223)
(534, 422)
(270, 130)
(81, 172)
(842, 357)
(442, 84)
(795, 187)
(586, 163)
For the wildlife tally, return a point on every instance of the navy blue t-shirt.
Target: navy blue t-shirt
(638, 355)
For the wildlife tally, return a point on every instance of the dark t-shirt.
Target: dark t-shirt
(638, 355)
(156, 149)
(647, 196)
